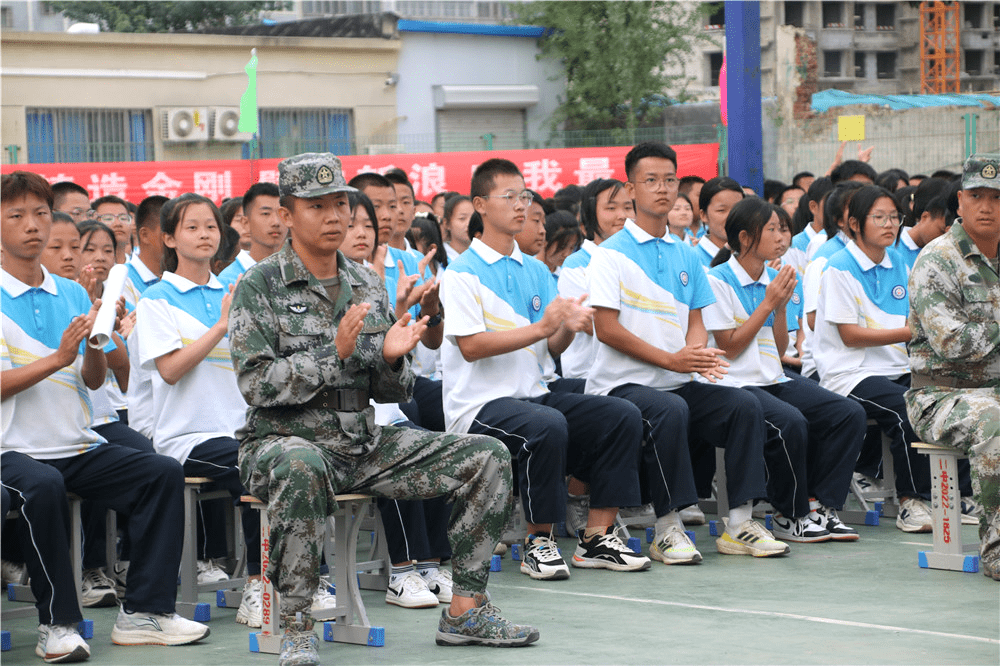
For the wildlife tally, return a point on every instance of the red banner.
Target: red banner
(545, 171)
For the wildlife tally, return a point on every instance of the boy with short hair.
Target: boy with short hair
(405, 207)
(267, 233)
(115, 213)
(72, 199)
(46, 367)
(504, 319)
(648, 290)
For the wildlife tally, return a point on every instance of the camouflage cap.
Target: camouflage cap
(981, 170)
(311, 175)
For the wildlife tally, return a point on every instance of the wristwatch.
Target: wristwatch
(433, 320)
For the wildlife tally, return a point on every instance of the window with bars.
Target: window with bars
(286, 132)
(340, 7)
(89, 135)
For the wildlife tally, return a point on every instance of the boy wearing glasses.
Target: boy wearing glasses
(648, 290)
(505, 322)
(114, 212)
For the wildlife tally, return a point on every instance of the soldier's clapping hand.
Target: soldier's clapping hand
(401, 338)
(349, 328)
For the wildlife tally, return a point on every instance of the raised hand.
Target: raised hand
(401, 339)
(578, 317)
(89, 281)
(349, 328)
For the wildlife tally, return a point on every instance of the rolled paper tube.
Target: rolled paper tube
(104, 324)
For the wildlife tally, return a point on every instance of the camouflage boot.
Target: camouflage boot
(990, 549)
(483, 625)
(300, 643)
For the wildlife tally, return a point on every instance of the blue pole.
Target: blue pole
(743, 89)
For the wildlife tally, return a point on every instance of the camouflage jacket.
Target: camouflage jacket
(282, 326)
(954, 311)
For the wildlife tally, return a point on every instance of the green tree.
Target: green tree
(618, 57)
(163, 16)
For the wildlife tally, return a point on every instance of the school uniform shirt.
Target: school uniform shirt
(240, 265)
(796, 254)
(815, 244)
(451, 253)
(854, 290)
(140, 278)
(794, 316)
(579, 356)
(206, 402)
(906, 248)
(51, 419)
(738, 295)
(484, 290)
(425, 362)
(706, 251)
(653, 283)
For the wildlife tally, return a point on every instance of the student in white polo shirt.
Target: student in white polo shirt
(927, 219)
(267, 233)
(797, 253)
(861, 335)
(49, 448)
(814, 435)
(648, 290)
(716, 198)
(604, 208)
(503, 319)
(181, 322)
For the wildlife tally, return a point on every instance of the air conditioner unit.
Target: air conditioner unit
(384, 148)
(225, 123)
(185, 124)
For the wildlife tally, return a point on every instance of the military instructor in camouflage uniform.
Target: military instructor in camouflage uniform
(313, 338)
(954, 348)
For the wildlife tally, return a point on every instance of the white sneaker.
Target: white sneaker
(578, 507)
(799, 530)
(761, 508)
(750, 538)
(971, 511)
(251, 608)
(692, 515)
(322, 598)
(61, 644)
(155, 629)
(12, 572)
(913, 516)
(209, 572)
(410, 591)
(97, 590)
(542, 560)
(500, 549)
(637, 516)
(120, 574)
(439, 581)
(675, 548)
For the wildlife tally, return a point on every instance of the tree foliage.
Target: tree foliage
(163, 16)
(619, 57)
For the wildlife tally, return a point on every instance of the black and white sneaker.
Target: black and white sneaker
(830, 521)
(542, 559)
(606, 551)
(798, 530)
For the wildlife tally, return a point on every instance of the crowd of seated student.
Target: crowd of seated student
(611, 337)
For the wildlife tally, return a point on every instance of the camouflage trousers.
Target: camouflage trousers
(968, 420)
(298, 480)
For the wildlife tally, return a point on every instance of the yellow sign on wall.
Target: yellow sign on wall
(851, 128)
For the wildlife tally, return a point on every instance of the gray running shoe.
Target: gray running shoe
(483, 625)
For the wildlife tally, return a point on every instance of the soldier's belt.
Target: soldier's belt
(340, 400)
(919, 380)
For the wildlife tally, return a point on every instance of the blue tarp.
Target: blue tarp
(826, 99)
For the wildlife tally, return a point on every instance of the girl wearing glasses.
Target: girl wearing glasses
(114, 212)
(861, 336)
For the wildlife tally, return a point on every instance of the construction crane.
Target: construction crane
(939, 45)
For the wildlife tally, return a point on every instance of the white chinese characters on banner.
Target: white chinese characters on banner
(427, 180)
(107, 184)
(268, 176)
(541, 175)
(214, 185)
(59, 178)
(592, 168)
(163, 185)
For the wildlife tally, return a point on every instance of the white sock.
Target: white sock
(738, 516)
(427, 569)
(395, 573)
(666, 521)
(814, 505)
